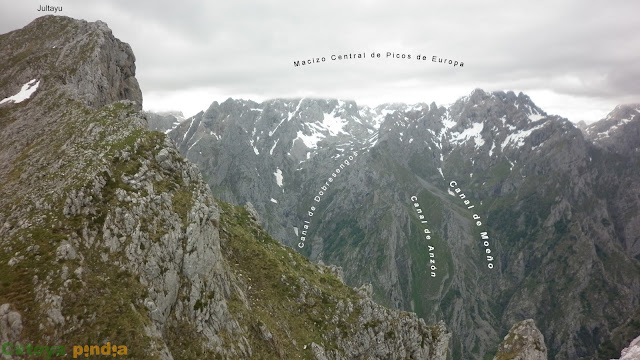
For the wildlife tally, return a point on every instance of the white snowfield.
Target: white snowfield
(517, 138)
(472, 132)
(27, 90)
(331, 125)
(278, 175)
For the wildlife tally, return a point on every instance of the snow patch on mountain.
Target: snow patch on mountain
(373, 140)
(493, 146)
(291, 115)
(535, 117)
(278, 175)
(274, 130)
(188, 130)
(473, 132)
(310, 141)
(179, 119)
(333, 124)
(194, 144)
(518, 137)
(447, 124)
(273, 147)
(255, 149)
(537, 147)
(25, 92)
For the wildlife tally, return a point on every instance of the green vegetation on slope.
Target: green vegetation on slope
(286, 293)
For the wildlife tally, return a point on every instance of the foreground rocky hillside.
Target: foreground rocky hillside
(529, 217)
(108, 235)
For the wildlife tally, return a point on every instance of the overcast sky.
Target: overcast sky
(577, 59)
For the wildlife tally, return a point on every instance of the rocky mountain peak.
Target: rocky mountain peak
(619, 116)
(619, 131)
(81, 58)
(518, 109)
(623, 112)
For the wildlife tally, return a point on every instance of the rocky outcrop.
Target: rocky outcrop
(523, 342)
(10, 324)
(632, 351)
(84, 59)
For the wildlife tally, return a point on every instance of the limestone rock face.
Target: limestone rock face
(10, 324)
(82, 58)
(632, 351)
(523, 342)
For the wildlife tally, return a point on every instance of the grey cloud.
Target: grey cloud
(584, 49)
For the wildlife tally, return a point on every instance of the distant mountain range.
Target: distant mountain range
(554, 210)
